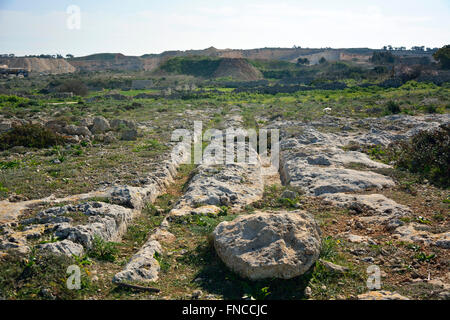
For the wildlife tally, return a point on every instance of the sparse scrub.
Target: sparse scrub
(103, 250)
(427, 154)
(31, 136)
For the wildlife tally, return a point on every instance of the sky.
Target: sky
(137, 27)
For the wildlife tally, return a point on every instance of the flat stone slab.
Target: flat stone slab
(316, 180)
(65, 247)
(231, 185)
(377, 206)
(414, 232)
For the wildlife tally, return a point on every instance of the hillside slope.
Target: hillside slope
(211, 67)
(39, 65)
(237, 69)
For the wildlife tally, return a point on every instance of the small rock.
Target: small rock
(289, 194)
(129, 135)
(308, 292)
(381, 295)
(197, 294)
(333, 267)
(47, 294)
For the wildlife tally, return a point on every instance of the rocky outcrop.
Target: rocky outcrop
(317, 180)
(373, 207)
(269, 245)
(232, 185)
(100, 125)
(65, 247)
(313, 161)
(217, 184)
(415, 232)
(106, 221)
(143, 266)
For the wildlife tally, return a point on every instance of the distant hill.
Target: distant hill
(211, 67)
(153, 62)
(107, 61)
(39, 65)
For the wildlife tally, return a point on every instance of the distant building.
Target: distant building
(5, 71)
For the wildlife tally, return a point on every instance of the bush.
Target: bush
(427, 153)
(443, 56)
(31, 136)
(382, 57)
(102, 250)
(76, 86)
(393, 107)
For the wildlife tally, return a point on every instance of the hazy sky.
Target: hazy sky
(136, 27)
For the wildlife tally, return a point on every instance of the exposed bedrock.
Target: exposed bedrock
(216, 183)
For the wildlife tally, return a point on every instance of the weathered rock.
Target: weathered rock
(117, 124)
(87, 122)
(288, 194)
(100, 125)
(77, 131)
(334, 268)
(163, 236)
(219, 183)
(354, 238)
(143, 267)
(107, 221)
(130, 197)
(234, 185)
(320, 180)
(415, 232)
(20, 246)
(269, 245)
(109, 137)
(376, 206)
(381, 295)
(65, 247)
(129, 135)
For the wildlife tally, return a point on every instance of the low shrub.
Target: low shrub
(103, 250)
(393, 107)
(426, 153)
(31, 136)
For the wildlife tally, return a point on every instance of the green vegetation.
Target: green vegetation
(197, 66)
(427, 154)
(40, 276)
(443, 56)
(103, 250)
(75, 86)
(381, 57)
(31, 136)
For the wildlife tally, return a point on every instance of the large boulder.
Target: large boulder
(77, 131)
(269, 245)
(100, 125)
